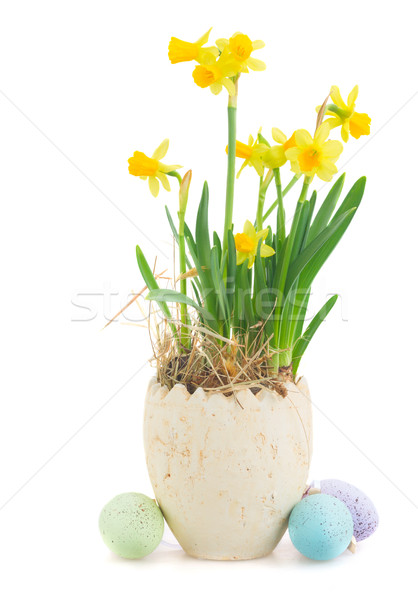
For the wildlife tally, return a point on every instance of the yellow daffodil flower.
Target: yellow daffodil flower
(180, 51)
(218, 74)
(246, 244)
(152, 169)
(344, 115)
(275, 156)
(252, 153)
(314, 156)
(241, 47)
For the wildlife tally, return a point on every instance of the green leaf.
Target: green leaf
(353, 198)
(302, 228)
(201, 253)
(150, 280)
(303, 342)
(308, 261)
(175, 233)
(327, 208)
(219, 286)
(260, 295)
(217, 244)
(202, 229)
(245, 290)
(231, 271)
(191, 244)
(174, 296)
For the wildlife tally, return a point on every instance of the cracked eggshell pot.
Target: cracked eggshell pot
(226, 478)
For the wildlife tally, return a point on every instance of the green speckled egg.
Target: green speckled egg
(131, 525)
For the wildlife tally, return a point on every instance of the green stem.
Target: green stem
(183, 197)
(264, 184)
(230, 179)
(281, 358)
(281, 225)
(184, 337)
(286, 189)
(175, 174)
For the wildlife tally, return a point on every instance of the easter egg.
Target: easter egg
(362, 509)
(320, 527)
(131, 525)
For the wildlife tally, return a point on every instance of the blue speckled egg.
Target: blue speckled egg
(131, 525)
(320, 527)
(362, 509)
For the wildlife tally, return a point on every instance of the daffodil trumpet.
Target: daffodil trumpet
(251, 283)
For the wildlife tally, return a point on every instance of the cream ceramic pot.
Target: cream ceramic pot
(226, 477)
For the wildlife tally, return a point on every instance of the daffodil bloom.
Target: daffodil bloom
(275, 156)
(152, 169)
(241, 47)
(343, 114)
(252, 153)
(181, 51)
(247, 242)
(314, 156)
(218, 74)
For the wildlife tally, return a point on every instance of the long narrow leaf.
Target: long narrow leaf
(150, 280)
(231, 270)
(353, 198)
(173, 296)
(310, 331)
(307, 259)
(327, 208)
(220, 291)
(175, 233)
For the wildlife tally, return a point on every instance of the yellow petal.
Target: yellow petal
(164, 180)
(266, 251)
(205, 37)
(168, 168)
(255, 64)
(216, 88)
(336, 97)
(332, 149)
(278, 135)
(322, 133)
(229, 85)
(334, 121)
(249, 229)
(303, 138)
(207, 56)
(251, 259)
(161, 151)
(222, 43)
(352, 97)
(154, 186)
(244, 164)
(345, 131)
(257, 44)
(292, 154)
(257, 163)
(241, 257)
(326, 171)
(262, 234)
(294, 167)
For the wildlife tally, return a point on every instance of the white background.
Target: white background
(83, 85)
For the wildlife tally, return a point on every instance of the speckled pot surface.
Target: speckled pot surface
(226, 477)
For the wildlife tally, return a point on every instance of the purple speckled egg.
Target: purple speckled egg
(362, 509)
